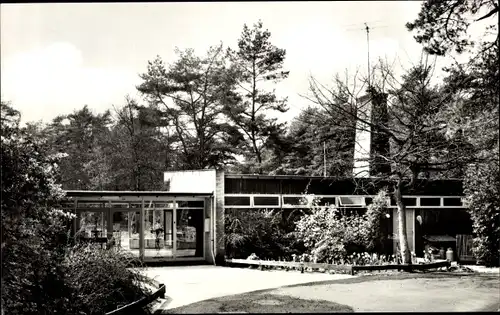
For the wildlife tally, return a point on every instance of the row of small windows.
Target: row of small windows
(348, 201)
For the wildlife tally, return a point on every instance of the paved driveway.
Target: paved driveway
(189, 284)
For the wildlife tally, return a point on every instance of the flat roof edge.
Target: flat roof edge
(184, 171)
(134, 193)
(264, 176)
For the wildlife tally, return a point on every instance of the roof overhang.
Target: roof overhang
(106, 195)
(132, 193)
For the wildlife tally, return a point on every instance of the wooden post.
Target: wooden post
(110, 223)
(129, 223)
(174, 229)
(102, 220)
(75, 221)
(141, 231)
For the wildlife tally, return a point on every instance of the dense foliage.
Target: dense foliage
(333, 235)
(330, 236)
(264, 233)
(377, 216)
(482, 187)
(32, 231)
(324, 234)
(441, 27)
(190, 96)
(41, 271)
(317, 146)
(100, 280)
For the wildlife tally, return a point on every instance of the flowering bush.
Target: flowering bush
(331, 237)
(327, 235)
(365, 258)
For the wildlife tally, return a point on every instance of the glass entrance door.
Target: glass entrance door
(190, 224)
(126, 227)
(158, 233)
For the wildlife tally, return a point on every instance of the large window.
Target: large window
(170, 229)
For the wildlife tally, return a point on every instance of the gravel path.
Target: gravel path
(458, 294)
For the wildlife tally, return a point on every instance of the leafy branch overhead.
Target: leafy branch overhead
(442, 26)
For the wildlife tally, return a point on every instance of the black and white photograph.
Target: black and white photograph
(250, 157)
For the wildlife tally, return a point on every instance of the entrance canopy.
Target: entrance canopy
(152, 225)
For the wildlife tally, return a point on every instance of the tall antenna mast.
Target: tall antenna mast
(368, 46)
(367, 29)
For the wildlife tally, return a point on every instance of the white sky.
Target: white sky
(58, 57)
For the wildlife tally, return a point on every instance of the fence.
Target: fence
(345, 268)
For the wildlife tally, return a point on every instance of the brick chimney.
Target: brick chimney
(362, 144)
(369, 141)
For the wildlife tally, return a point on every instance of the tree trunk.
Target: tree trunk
(403, 239)
(254, 96)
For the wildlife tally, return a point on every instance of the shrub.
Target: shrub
(375, 218)
(100, 280)
(327, 235)
(263, 232)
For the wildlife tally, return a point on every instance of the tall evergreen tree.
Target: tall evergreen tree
(255, 64)
(191, 94)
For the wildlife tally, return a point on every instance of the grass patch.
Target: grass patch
(260, 303)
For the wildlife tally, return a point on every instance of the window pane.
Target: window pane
(351, 201)
(237, 201)
(452, 202)
(326, 201)
(430, 202)
(266, 201)
(293, 201)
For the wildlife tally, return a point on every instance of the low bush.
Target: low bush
(100, 279)
(37, 279)
(268, 234)
(323, 233)
(360, 259)
(334, 237)
(327, 234)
